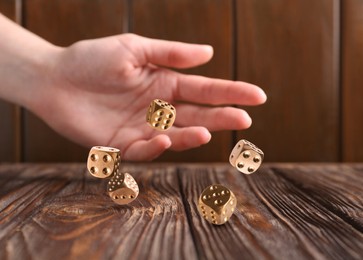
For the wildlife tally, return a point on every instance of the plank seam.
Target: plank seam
(346, 218)
(234, 61)
(339, 71)
(271, 208)
(188, 214)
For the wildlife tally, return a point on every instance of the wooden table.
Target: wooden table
(284, 211)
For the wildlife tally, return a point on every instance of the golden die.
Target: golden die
(103, 161)
(216, 204)
(246, 157)
(122, 188)
(160, 115)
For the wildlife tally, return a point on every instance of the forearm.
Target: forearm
(25, 64)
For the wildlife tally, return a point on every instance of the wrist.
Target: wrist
(26, 64)
(39, 73)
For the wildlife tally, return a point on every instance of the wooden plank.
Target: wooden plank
(203, 21)
(7, 8)
(321, 231)
(275, 218)
(246, 234)
(352, 79)
(291, 50)
(284, 211)
(337, 188)
(7, 132)
(9, 116)
(64, 22)
(67, 208)
(22, 197)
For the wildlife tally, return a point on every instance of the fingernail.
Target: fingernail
(263, 96)
(208, 48)
(207, 136)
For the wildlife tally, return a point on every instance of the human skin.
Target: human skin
(96, 92)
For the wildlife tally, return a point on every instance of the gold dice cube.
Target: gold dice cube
(122, 188)
(103, 161)
(160, 115)
(246, 157)
(216, 204)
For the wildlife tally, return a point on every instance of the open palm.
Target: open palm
(101, 90)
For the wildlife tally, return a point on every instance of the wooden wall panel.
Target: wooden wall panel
(64, 22)
(290, 48)
(8, 8)
(352, 79)
(202, 21)
(9, 116)
(8, 131)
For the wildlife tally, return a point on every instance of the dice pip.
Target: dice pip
(246, 157)
(216, 204)
(160, 115)
(122, 188)
(103, 161)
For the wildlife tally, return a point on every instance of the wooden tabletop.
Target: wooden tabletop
(284, 211)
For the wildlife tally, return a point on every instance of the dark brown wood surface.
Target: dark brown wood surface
(205, 22)
(64, 22)
(7, 132)
(306, 54)
(291, 49)
(352, 79)
(8, 8)
(69, 21)
(10, 147)
(284, 211)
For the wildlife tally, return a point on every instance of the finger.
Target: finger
(188, 137)
(213, 118)
(145, 150)
(169, 53)
(205, 90)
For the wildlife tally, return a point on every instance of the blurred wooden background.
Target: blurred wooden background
(306, 54)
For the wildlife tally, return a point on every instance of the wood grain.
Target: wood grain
(291, 50)
(251, 233)
(352, 79)
(203, 21)
(307, 218)
(63, 23)
(284, 211)
(63, 207)
(337, 188)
